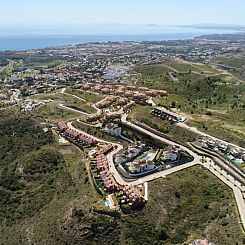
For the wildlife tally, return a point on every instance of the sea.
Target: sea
(28, 42)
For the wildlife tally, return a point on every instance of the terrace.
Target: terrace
(133, 196)
(169, 115)
(233, 154)
(105, 175)
(77, 136)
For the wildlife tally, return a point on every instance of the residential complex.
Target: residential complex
(133, 195)
(106, 177)
(168, 115)
(201, 242)
(173, 153)
(140, 166)
(234, 154)
(29, 104)
(113, 129)
(77, 135)
(130, 153)
(106, 88)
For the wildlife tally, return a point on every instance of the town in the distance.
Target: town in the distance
(138, 112)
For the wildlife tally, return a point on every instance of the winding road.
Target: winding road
(208, 164)
(222, 174)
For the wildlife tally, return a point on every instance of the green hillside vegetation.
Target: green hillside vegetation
(200, 97)
(234, 61)
(172, 131)
(183, 207)
(25, 193)
(18, 136)
(46, 196)
(45, 192)
(29, 162)
(38, 182)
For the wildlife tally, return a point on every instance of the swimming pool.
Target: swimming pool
(216, 149)
(106, 110)
(230, 157)
(238, 161)
(107, 202)
(92, 152)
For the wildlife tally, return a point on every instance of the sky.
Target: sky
(81, 15)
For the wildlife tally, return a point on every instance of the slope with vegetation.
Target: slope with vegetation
(46, 198)
(216, 106)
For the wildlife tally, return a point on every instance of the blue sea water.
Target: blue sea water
(36, 42)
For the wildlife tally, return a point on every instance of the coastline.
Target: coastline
(29, 42)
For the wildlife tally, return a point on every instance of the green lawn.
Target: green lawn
(68, 100)
(235, 61)
(54, 113)
(88, 96)
(181, 66)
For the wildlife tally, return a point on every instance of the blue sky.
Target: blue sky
(70, 14)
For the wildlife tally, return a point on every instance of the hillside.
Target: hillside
(214, 103)
(46, 197)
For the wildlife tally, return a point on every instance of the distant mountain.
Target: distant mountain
(239, 37)
(216, 26)
(153, 25)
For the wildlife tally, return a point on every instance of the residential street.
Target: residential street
(208, 164)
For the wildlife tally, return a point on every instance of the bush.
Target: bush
(209, 113)
(42, 161)
(179, 237)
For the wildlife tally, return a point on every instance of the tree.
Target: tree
(163, 236)
(173, 104)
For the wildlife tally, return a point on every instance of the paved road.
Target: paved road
(217, 171)
(210, 165)
(73, 95)
(146, 191)
(112, 167)
(63, 90)
(164, 173)
(71, 109)
(197, 158)
(125, 138)
(196, 131)
(98, 110)
(224, 165)
(150, 101)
